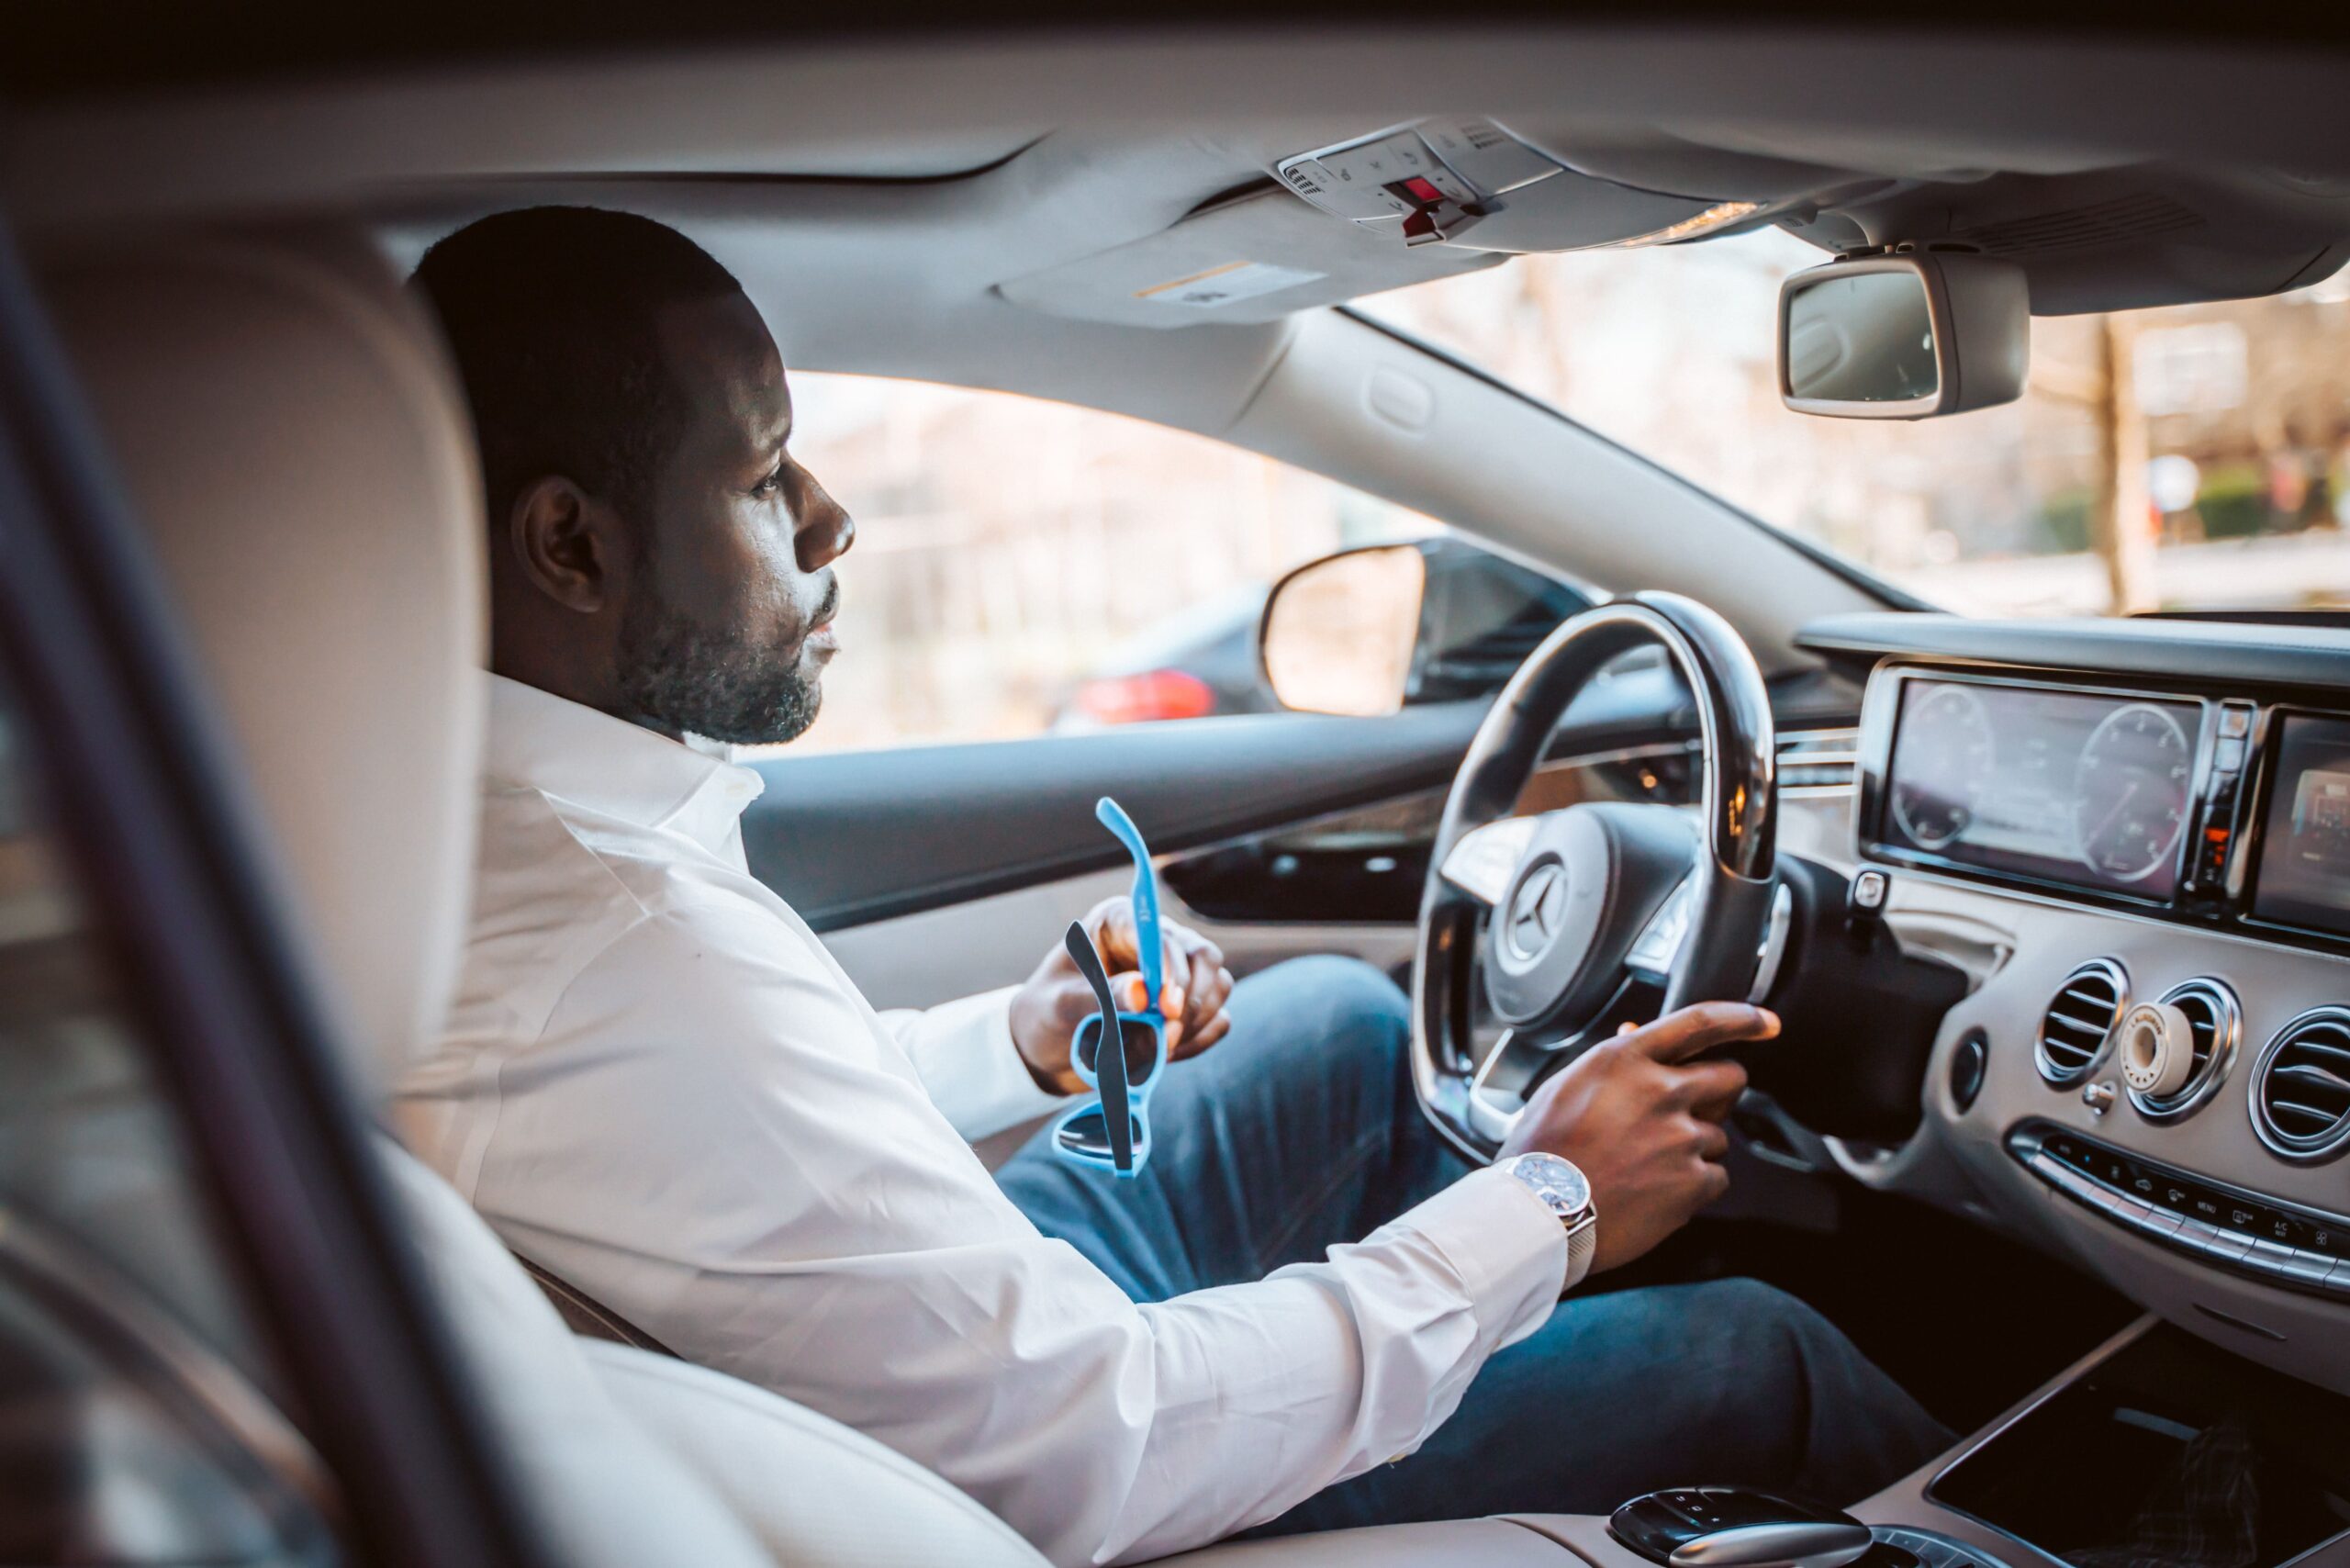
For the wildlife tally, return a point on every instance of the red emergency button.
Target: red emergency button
(1418, 189)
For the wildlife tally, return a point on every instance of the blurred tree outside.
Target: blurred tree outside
(2040, 507)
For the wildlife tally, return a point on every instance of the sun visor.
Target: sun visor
(1254, 259)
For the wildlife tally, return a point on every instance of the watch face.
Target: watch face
(1555, 1181)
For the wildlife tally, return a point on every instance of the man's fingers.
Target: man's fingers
(1712, 1141)
(1712, 1183)
(1192, 1042)
(1710, 1087)
(1694, 1030)
(1112, 922)
(1207, 992)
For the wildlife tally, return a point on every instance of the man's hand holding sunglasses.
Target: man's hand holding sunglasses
(1047, 1011)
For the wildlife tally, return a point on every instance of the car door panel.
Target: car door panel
(861, 837)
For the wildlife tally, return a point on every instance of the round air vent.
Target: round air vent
(2300, 1090)
(2079, 1022)
(2214, 1022)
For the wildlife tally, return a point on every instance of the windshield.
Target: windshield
(2211, 472)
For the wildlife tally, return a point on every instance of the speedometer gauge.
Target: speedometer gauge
(1946, 761)
(2130, 792)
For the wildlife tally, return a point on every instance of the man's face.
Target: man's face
(727, 626)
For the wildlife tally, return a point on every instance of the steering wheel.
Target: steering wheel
(1574, 919)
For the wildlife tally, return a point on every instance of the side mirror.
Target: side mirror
(1905, 336)
(1364, 632)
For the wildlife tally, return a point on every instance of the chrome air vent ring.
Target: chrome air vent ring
(2301, 1087)
(2217, 1022)
(2077, 1028)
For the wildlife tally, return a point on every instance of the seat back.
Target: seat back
(295, 444)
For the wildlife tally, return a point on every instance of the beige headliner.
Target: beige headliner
(897, 276)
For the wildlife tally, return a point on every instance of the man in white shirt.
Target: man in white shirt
(661, 1088)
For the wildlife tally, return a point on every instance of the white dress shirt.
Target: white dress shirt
(657, 1084)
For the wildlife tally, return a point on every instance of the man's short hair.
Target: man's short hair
(552, 313)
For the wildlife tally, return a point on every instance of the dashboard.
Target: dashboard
(2134, 838)
(2231, 810)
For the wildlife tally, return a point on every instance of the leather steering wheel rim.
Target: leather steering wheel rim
(1734, 875)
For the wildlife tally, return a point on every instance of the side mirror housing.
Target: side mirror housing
(1367, 630)
(1904, 337)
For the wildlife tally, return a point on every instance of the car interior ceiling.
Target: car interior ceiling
(250, 234)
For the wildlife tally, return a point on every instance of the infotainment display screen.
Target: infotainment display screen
(2305, 837)
(2086, 788)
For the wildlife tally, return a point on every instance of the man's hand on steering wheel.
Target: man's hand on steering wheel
(1047, 1011)
(1642, 1120)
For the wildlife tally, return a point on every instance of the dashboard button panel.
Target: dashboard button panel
(2282, 1244)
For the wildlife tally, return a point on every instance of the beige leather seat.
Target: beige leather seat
(294, 442)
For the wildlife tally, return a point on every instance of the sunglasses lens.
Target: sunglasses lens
(1142, 1048)
(1089, 1134)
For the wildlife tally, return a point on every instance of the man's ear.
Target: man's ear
(561, 540)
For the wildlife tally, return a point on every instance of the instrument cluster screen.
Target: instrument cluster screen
(2087, 790)
(2305, 838)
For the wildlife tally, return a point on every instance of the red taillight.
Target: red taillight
(1138, 698)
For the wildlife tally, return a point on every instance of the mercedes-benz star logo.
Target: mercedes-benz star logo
(1533, 913)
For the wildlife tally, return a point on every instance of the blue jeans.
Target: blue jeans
(1300, 1131)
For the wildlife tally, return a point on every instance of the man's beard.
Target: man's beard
(711, 682)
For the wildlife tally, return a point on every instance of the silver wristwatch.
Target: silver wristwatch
(1565, 1193)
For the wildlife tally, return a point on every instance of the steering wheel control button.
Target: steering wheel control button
(1871, 887)
(2288, 1246)
(2157, 1049)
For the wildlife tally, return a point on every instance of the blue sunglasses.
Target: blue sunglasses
(1111, 1129)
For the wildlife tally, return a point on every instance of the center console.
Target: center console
(2157, 1450)
(1735, 1527)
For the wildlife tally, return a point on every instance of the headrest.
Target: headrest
(288, 431)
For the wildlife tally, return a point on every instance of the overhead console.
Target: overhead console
(1414, 202)
(1434, 182)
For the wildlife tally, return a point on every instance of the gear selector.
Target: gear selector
(1718, 1526)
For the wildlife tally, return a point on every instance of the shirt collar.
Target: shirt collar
(571, 753)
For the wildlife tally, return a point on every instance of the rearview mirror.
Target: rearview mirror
(1365, 631)
(1904, 337)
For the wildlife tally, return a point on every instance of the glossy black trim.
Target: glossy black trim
(2207, 655)
(132, 770)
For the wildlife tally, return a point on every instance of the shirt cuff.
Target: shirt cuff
(973, 1072)
(1510, 1249)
